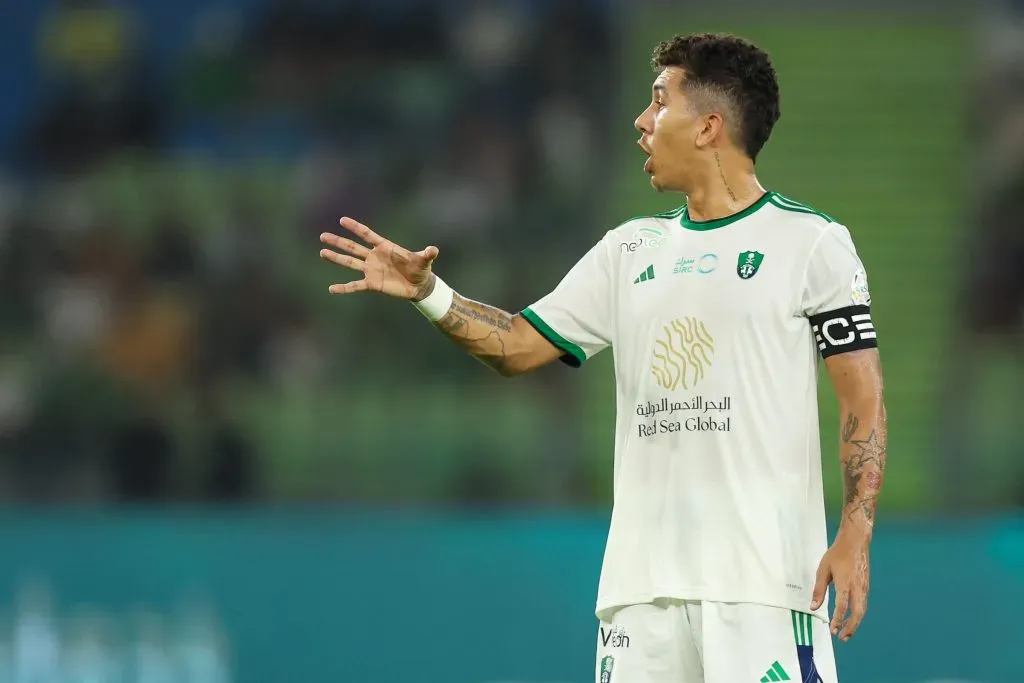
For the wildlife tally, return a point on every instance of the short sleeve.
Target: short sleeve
(576, 315)
(835, 296)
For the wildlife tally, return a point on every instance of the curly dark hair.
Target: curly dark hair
(729, 68)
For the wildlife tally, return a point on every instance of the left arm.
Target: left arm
(857, 379)
(836, 301)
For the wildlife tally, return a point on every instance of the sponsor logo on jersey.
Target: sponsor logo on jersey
(859, 293)
(703, 265)
(644, 238)
(614, 637)
(712, 416)
(690, 424)
(700, 404)
(683, 353)
(648, 274)
(607, 664)
(748, 263)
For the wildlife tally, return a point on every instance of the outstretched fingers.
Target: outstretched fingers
(345, 245)
(361, 231)
(349, 262)
(348, 287)
(343, 260)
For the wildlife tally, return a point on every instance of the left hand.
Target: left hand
(845, 564)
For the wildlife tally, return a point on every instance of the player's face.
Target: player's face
(669, 129)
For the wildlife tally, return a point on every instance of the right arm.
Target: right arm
(503, 341)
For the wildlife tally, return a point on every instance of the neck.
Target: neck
(728, 187)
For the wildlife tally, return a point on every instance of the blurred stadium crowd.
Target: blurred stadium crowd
(165, 317)
(168, 167)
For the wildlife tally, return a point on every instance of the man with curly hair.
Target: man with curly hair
(717, 563)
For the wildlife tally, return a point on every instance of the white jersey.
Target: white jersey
(716, 329)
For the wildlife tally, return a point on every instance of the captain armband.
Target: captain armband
(843, 330)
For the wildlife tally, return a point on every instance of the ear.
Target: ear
(711, 130)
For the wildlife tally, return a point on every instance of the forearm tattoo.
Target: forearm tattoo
(480, 329)
(863, 462)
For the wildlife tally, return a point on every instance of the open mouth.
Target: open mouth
(647, 163)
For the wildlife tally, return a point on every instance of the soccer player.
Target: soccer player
(717, 565)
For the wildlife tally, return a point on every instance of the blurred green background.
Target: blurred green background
(170, 274)
(215, 471)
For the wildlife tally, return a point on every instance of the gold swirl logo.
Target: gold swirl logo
(682, 354)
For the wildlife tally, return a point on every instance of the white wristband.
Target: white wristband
(436, 305)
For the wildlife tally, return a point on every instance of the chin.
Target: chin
(661, 184)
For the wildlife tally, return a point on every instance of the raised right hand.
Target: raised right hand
(386, 267)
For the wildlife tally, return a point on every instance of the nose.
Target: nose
(643, 123)
(639, 124)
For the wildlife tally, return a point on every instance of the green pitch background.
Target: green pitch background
(869, 134)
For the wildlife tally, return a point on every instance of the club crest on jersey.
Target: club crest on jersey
(607, 665)
(748, 264)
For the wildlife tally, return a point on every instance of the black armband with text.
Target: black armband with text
(844, 329)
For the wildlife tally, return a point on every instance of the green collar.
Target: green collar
(690, 224)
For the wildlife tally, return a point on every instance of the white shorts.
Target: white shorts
(674, 641)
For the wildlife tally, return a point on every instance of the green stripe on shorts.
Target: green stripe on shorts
(802, 628)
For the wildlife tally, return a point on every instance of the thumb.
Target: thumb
(821, 581)
(429, 254)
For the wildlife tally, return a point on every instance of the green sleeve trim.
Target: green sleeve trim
(787, 204)
(574, 354)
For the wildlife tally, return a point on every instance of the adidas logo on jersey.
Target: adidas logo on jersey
(775, 673)
(646, 275)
